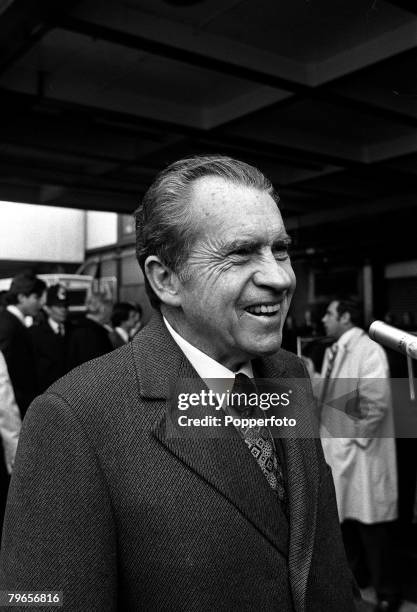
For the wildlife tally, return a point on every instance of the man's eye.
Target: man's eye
(242, 252)
(281, 253)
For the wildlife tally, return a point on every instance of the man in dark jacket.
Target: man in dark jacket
(90, 338)
(25, 299)
(117, 504)
(50, 338)
(125, 319)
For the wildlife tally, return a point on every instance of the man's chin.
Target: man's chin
(265, 349)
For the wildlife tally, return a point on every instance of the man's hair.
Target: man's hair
(353, 307)
(25, 284)
(95, 300)
(164, 224)
(121, 312)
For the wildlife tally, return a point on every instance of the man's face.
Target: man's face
(238, 281)
(331, 321)
(30, 305)
(58, 313)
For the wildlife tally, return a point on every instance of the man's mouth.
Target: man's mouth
(263, 310)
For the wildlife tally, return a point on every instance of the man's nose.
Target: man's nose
(275, 274)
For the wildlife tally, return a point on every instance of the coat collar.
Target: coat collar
(158, 361)
(225, 462)
(345, 344)
(349, 338)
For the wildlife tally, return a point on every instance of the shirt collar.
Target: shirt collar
(122, 333)
(54, 325)
(16, 312)
(346, 337)
(205, 366)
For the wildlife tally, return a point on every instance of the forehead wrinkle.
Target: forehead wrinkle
(208, 194)
(213, 203)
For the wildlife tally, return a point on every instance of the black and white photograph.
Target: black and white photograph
(208, 305)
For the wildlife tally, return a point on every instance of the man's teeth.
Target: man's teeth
(263, 309)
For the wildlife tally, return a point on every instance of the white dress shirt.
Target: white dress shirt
(212, 372)
(205, 366)
(122, 333)
(56, 327)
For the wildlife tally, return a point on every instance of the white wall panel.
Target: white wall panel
(41, 233)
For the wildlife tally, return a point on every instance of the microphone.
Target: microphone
(394, 338)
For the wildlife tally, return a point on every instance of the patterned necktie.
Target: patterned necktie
(259, 439)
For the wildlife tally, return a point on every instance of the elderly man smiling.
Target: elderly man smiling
(108, 508)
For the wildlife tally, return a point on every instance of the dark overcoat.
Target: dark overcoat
(50, 350)
(17, 348)
(87, 341)
(106, 506)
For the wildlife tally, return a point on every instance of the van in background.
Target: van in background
(78, 287)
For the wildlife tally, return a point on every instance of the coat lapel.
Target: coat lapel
(302, 479)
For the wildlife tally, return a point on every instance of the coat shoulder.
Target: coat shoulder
(293, 364)
(99, 385)
(8, 322)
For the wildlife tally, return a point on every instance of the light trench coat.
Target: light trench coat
(357, 429)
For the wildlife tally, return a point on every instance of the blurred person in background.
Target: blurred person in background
(356, 404)
(50, 338)
(125, 318)
(90, 338)
(408, 321)
(25, 298)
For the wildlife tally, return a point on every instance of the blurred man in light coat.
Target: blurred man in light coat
(357, 436)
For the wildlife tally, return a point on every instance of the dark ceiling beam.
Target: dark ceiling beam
(23, 102)
(53, 195)
(193, 58)
(71, 114)
(246, 147)
(19, 51)
(406, 5)
(65, 178)
(322, 93)
(325, 93)
(365, 209)
(19, 102)
(23, 24)
(310, 156)
(377, 174)
(25, 142)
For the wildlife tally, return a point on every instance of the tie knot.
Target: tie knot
(242, 390)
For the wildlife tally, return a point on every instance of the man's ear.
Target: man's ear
(345, 317)
(163, 281)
